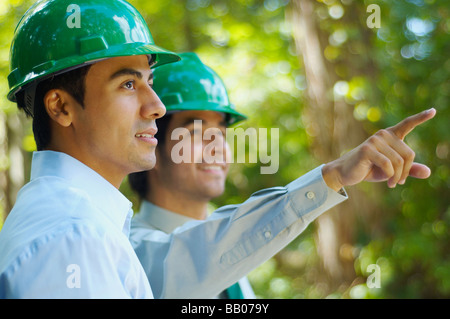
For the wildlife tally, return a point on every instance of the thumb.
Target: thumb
(419, 171)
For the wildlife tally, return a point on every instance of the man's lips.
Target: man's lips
(144, 135)
(148, 136)
(214, 167)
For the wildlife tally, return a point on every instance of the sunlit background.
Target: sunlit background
(319, 73)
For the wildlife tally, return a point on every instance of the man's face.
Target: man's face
(116, 127)
(197, 180)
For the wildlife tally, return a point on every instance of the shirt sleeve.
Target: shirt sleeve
(201, 258)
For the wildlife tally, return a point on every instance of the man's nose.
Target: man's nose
(151, 107)
(217, 139)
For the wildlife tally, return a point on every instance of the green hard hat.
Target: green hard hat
(189, 85)
(55, 36)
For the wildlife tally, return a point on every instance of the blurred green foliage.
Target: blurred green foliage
(250, 44)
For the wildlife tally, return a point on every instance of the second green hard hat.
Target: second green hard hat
(189, 85)
(55, 36)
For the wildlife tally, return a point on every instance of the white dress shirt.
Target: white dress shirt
(67, 236)
(159, 219)
(202, 258)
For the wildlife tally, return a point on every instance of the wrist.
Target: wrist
(331, 176)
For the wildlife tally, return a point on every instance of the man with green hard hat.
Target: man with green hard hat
(172, 194)
(173, 226)
(82, 71)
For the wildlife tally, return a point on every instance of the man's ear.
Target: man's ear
(59, 106)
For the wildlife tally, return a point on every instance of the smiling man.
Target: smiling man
(188, 254)
(174, 192)
(89, 91)
(189, 186)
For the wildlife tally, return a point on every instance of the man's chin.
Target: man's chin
(144, 165)
(215, 192)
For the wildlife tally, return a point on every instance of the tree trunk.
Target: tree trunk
(333, 128)
(12, 178)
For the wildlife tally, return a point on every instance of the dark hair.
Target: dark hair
(73, 82)
(139, 181)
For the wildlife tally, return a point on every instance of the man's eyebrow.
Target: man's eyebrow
(189, 121)
(128, 71)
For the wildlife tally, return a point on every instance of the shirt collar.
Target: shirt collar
(161, 218)
(103, 194)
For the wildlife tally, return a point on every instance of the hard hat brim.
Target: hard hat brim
(232, 115)
(52, 68)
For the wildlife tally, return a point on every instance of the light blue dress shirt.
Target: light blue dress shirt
(202, 258)
(155, 218)
(67, 236)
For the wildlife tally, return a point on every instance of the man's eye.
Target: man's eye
(196, 132)
(129, 85)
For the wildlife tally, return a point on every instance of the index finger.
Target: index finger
(404, 127)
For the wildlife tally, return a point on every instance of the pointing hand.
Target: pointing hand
(382, 157)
